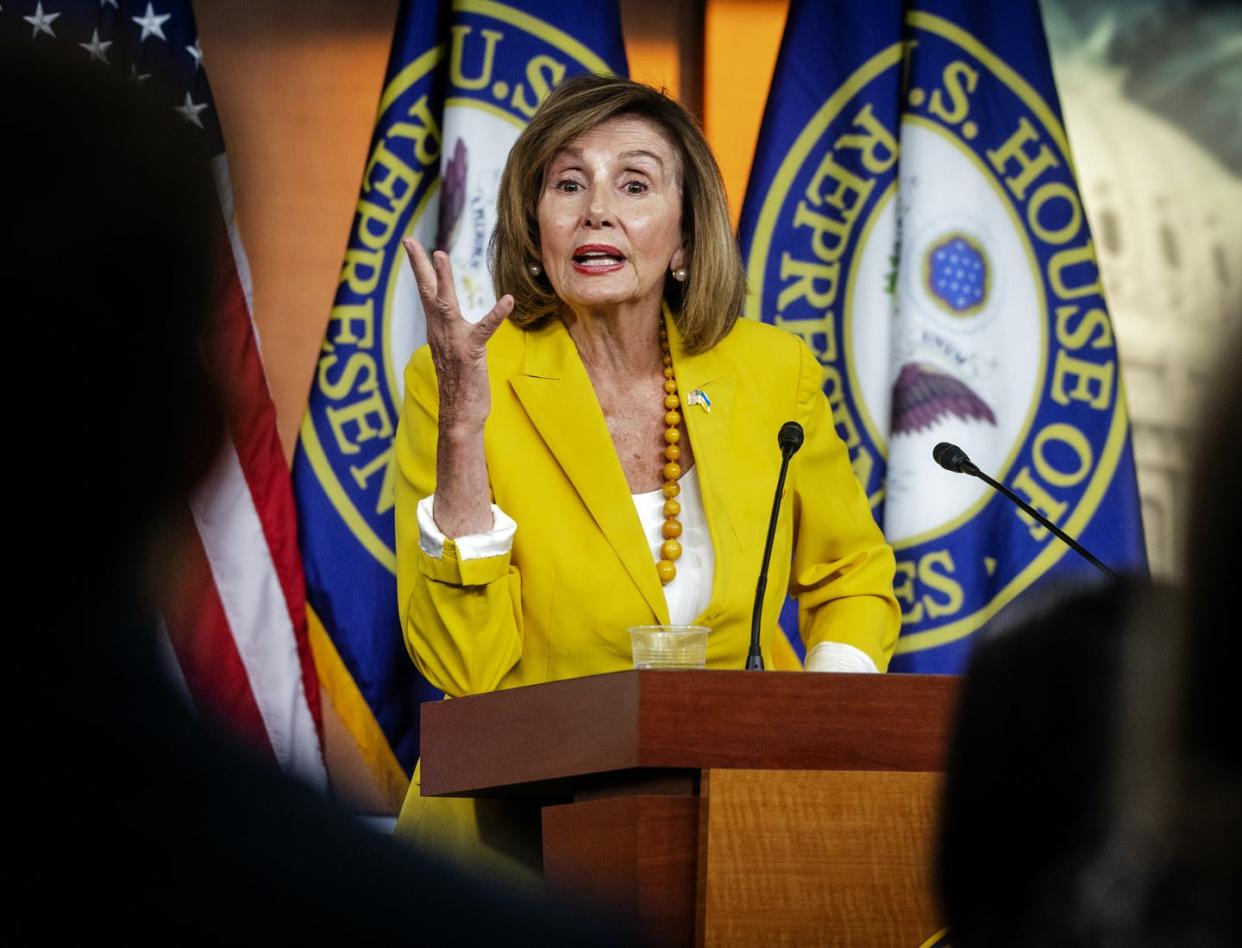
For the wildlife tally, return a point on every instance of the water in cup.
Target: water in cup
(669, 646)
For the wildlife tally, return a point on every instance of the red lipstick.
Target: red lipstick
(596, 259)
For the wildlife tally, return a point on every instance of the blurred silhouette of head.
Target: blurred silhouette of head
(106, 256)
(1028, 783)
(1094, 786)
(1212, 648)
(1185, 831)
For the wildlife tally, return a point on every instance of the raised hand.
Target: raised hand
(459, 353)
(458, 347)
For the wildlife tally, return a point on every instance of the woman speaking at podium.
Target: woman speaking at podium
(599, 450)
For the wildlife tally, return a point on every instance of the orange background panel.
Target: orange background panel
(741, 40)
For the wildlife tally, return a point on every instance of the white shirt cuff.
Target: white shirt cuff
(496, 542)
(839, 657)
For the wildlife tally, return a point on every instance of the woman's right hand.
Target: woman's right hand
(458, 347)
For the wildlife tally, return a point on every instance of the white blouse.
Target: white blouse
(690, 591)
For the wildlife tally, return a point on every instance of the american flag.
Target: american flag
(237, 624)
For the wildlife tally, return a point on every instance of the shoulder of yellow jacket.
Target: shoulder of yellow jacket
(752, 342)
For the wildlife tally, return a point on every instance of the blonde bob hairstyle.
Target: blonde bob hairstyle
(707, 305)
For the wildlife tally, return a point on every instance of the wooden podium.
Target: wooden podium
(719, 807)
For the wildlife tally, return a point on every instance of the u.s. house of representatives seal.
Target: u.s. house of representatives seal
(432, 172)
(936, 258)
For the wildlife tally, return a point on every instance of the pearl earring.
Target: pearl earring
(535, 269)
(680, 274)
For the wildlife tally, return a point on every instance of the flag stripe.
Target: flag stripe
(241, 264)
(253, 426)
(168, 655)
(203, 641)
(233, 539)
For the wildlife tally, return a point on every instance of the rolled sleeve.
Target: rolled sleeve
(473, 560)
(839, 657)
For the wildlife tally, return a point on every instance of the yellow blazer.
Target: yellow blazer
(581, 572)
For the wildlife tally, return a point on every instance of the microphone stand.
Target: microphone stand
(790, 440)
(953, 458)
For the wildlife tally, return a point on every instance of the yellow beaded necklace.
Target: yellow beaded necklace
(670, 550)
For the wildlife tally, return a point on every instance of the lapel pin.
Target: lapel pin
(699, 397)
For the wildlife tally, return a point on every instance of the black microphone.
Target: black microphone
(952, 458)
(789, 439)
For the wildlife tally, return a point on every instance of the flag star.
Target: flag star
(152, 24)
(136, 76)
(97, 48)
(108, 3)
(196, 53)
(189, 111)
(42, 22)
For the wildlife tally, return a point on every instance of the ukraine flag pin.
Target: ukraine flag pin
(699, 397)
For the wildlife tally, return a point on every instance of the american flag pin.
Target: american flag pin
(699, 397)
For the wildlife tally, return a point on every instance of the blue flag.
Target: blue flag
(912, 214)
(463, 79)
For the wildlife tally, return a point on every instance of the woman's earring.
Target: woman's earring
(680, 274)
(535, 270)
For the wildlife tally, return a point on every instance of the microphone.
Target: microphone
(789, 440)
(952, 458)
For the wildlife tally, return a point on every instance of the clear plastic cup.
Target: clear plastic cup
(669, 646)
